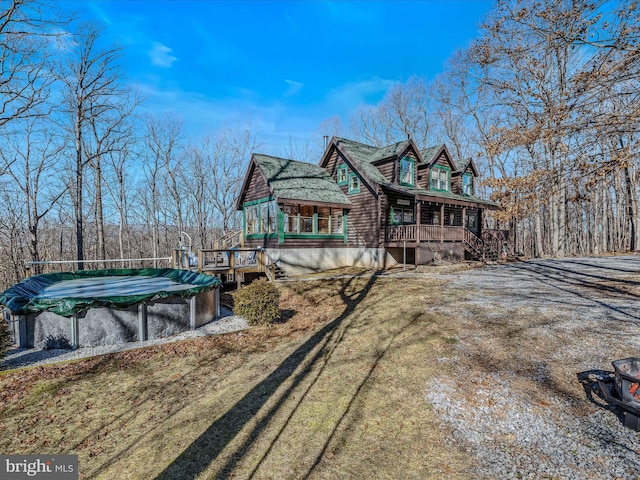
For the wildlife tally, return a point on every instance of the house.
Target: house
(365, 205)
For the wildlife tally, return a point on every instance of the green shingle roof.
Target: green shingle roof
(365, 155)
(294, 180)
(430, 152)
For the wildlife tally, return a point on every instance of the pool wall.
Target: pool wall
(110, 326)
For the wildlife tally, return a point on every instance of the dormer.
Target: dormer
(437, 170)
(464, 179)
(395, 164)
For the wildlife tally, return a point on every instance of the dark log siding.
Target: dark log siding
(388, 169)
(363, 227)
(392, 202)
(423, 177)
(442, 160)
(335, 160)
(257, 188)
(391, 168)
(426, 214)
(265, 241)
(362, 219)
(383, 206)
(456, 183)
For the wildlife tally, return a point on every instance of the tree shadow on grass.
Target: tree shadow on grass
(209, 445)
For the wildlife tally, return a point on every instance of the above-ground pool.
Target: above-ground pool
(106, 307)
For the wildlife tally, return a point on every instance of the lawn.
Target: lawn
(336, 390)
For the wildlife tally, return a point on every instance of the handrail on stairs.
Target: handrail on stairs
(269, 270)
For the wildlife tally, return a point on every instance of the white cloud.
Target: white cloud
(160, 55)
(294, 87)
(99, 12)
(351, 95)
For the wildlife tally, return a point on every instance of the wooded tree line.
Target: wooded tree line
(85, 176)
(544, 101)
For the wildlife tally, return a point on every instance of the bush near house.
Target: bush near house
(258, 302)
(6, 340)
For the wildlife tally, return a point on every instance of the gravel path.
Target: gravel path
(22, 357)
(523, 400)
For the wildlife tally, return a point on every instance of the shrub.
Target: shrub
(258, 302)
(52, 343)
(6, 339)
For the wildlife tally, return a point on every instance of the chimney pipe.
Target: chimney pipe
(326, 140)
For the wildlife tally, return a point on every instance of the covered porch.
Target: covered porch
(398, 234)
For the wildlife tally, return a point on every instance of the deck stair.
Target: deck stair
(280, 272)
(485, 249)
(231, 239)
(274, 270)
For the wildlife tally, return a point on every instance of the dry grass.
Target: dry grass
(337, 390)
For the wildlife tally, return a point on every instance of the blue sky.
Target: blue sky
(288, 65)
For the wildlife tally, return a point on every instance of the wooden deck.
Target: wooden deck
(490, 245)
(424, 233)
(229, 261)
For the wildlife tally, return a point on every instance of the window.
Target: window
(306, 218)
(439, 178)
(252, 219)
(354, 183)
(402, 216)
(343, 171)
(261, 217)
(291, 219)
(312, 220)
(324, 219)
(337, 216)
(435, 217)
(471, 220)
(406, 171)
(467, 184)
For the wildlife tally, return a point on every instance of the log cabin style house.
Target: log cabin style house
(364, 205)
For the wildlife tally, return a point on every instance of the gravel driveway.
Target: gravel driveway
(532, 339)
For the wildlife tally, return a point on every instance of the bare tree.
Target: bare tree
(229, 155)
(556, 103)
(33, 161)
(29, 30)
(96, 110)
(403, 112)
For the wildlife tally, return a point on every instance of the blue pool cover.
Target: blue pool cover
(67, 293)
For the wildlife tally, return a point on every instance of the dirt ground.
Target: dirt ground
(533, 338)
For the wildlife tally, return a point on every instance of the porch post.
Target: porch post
(418, 209)
(442, 223)
(464, 222)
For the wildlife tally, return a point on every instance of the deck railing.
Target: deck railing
(414, 233)
(230, 240)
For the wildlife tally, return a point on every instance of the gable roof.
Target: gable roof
(364, 157)
(429, 153)
(432, 154)
(467, 164)
(294, 180)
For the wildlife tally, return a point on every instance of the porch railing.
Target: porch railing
(413, 233)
